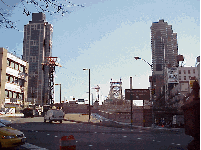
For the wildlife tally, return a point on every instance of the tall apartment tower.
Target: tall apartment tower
(37, 45)
(164, 54)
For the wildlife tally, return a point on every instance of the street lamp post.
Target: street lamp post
(91, 98)
(152, 87)
(89, 95)
(60, 91)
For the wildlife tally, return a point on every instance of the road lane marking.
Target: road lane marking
(31, 146)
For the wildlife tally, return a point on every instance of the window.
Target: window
(10, 94)
(21, 68)
(16, 80)
(12, 64)
(38, 26)
(16, 66)
(7, 77)
(14, 95)
(11, 79)
(189, 72)
(179, 77)
(184, 71)
(184, 77)
(20, 96)
(189, 77)
(179, 71)
(8, 62)
(6, 93)
(194, 71)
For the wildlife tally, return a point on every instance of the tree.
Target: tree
(45, 6)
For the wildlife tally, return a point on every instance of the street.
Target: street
(89, 136)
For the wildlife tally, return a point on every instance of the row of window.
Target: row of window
(15, 65)
(185, 77)
(189, 71)
(11, 94)
(12, 79)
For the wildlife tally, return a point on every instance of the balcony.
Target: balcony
(13, 87)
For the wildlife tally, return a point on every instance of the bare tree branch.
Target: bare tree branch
(44, 6)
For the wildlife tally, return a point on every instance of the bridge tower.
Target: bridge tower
(115, 90)
(97, 88)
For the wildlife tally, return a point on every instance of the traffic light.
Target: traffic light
(153, 91)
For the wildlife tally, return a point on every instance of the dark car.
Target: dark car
(28, 112)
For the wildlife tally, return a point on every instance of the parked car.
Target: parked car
(5, 122)
(54, 115)
(10, 137)
(28, 112)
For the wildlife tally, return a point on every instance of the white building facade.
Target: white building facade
(14, 79)
(181, 91)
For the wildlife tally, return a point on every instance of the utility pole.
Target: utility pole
(131, 101)
(89, 94)
(89, 97)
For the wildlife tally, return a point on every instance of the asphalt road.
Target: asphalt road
(88, 136)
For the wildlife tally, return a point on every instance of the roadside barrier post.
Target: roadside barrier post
(67, 143)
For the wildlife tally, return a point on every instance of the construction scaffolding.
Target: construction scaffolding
(51, 63)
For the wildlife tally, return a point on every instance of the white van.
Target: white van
(54, 115)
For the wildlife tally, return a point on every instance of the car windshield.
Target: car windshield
(2, 125)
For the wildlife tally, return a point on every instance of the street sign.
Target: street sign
(172, 75)
(137, 94)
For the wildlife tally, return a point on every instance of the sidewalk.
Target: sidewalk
(80, 118)
(101, 121)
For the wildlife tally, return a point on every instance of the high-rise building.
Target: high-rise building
(37, 45)
(164, 54)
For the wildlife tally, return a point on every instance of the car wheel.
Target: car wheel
(60, 121)
(44, 120)
(50, 121)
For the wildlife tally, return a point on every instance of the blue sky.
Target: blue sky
(104, 36)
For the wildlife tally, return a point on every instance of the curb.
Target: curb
(116, 125)
(12, 115)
